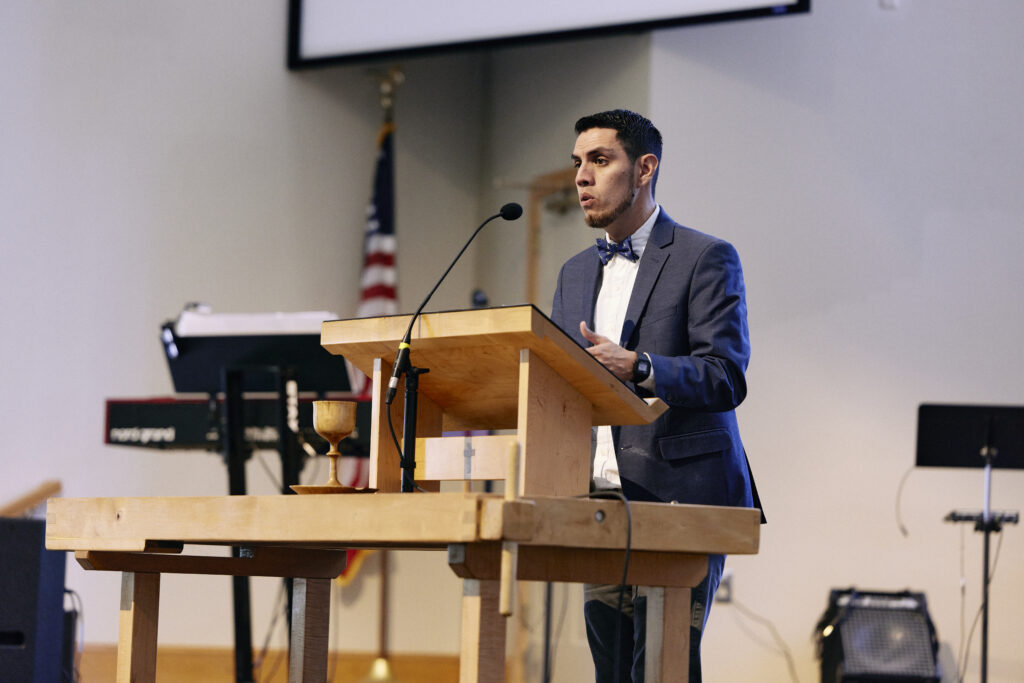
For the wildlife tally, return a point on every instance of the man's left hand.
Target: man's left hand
(609, 354)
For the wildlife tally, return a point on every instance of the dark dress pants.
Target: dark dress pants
(603, 620)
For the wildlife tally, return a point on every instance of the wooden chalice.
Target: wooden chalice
(332, 420)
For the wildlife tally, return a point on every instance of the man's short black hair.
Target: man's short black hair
(636, 133)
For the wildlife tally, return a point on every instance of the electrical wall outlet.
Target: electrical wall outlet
(724, 592)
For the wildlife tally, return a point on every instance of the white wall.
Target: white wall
(866, 163)
(154, 155)
(537, 93)
(863, 161)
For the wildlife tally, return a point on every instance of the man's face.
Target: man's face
(605, 177)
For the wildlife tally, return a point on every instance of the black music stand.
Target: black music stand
(236, 363)
(196, 362)
(991, 437)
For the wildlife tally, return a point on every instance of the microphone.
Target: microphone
(509, 212)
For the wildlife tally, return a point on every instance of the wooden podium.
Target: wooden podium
(489, 369)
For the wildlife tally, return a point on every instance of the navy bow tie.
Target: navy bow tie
(606, 250)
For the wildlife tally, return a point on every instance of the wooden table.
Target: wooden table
(555, 539)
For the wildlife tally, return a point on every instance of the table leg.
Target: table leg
(311, 622)
(140, 611)
(667, 657)
(482, 657)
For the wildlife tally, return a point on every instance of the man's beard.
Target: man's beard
(603, 220)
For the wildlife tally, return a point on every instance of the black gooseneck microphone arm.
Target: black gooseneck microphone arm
(509, 212)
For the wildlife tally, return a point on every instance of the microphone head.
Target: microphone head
(511, 211)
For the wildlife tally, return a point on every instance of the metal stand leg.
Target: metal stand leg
(986, 525)
(235, 455)
(288, 451)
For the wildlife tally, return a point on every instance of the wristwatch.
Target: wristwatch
(641, 368)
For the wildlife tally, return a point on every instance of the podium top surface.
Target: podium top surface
(432, 520)
(473, 358)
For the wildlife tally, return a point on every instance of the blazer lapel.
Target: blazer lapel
(651, 264)
(591, 283)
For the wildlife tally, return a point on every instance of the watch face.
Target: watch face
(642, 370)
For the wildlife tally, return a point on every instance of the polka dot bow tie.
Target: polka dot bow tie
(606, 250)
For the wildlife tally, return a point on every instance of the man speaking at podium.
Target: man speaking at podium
(662, 307)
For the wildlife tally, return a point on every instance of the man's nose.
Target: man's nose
(583, 177)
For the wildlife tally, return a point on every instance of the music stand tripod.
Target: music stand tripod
(974, 436)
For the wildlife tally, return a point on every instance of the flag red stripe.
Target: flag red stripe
(379, 292)
(379, 258)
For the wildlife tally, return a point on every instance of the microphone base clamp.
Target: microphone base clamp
(412, 383)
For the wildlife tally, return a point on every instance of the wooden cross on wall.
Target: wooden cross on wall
(543, 188)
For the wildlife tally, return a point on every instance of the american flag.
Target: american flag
(377, 281)
(378, 278)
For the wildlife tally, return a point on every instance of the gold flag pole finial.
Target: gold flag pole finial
(387, 83)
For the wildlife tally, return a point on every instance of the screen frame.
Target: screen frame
(296, 60)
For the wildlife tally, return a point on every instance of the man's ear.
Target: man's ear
(647, 166)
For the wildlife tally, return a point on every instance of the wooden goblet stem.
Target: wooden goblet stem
(333, 454)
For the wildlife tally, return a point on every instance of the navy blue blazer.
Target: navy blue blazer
(688, 312)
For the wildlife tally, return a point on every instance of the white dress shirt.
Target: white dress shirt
(617, 280)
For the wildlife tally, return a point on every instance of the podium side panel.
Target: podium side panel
(385, 472)
(554, 431)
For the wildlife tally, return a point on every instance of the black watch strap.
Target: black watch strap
(641, 368)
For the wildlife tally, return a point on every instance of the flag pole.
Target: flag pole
(387, 83)
(380, 670)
